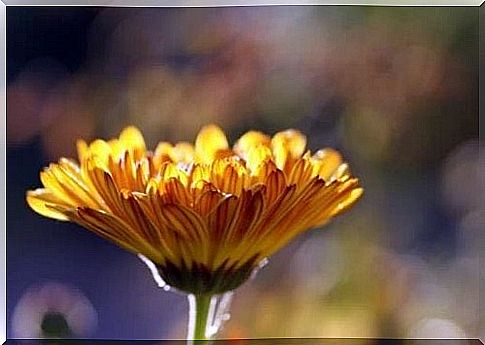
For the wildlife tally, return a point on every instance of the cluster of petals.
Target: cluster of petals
(205, 204)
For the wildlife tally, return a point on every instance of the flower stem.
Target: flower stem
(198, 319)
(207, 315)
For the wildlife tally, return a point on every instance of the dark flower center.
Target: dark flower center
(201, 280)
(55, 325)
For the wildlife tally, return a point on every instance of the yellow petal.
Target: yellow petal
(82, 149)
(287, 144)
(350, 199)
(57, 187)
(256, 156)
(342, 173)
(210, 140)
(200, 173)
(263, 171)
(182, 152)
(198, 205)
(73, 185)
(171, 170)
(118, 149)
(326, 162)
(229, 176)
(250, 140)
(163, 149)
(132, 138)
(40, 200)
(100, 151)
(162, 154)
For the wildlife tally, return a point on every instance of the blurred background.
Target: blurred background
(394, 89)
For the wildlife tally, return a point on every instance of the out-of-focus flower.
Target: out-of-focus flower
(53, 310)
(206, 215)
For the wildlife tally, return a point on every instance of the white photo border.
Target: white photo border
(167, 3)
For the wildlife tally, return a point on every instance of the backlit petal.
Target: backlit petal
(210, 140)
(132, 138)
(40, 200)
(289, 144)
(257, 155)
(250, 140)
(326, 161)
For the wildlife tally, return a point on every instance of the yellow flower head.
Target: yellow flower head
(206, 215)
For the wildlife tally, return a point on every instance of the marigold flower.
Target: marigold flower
(206, 215)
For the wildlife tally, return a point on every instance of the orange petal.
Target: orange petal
(185, 221)
(275, 185)
(301, 172)
(229, 176)
(241, 215)
(106, 188)
(172, 190)
(118, 231)
(220, 219)
(274, 211)
(251, 206)
(207, 202)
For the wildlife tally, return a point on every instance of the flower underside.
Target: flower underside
(204, 214)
